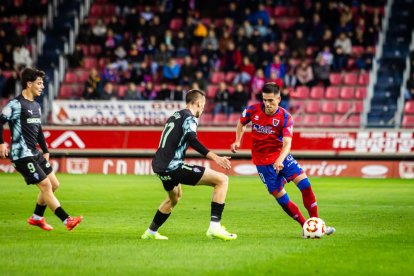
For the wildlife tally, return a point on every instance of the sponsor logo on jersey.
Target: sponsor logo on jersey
(197, 170)
(256, 117)
(34, 121)
(30, 111)
(36, 175)
(276, 122)
(263, 129)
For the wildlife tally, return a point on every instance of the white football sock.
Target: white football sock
(152, 232)
(214, 224)
(36, 217)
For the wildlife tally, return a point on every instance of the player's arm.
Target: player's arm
(200, 148)
(287, 144)
(240, 129)
(4, 117)
(42, 143)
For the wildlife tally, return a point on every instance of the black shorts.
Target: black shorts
(33, 168)
(186, 174)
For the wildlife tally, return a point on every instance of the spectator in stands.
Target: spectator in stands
(132, 93)
(264, 57)
(316, 30)
(93, 86)
(275, 34)
(6, 57)
(161, 58)
(277, 66)
(409, 94)
(283, 51)
(204, 66)
(298, 45)
(326, 55)
(232, 58)
(246, 72)
(149, 92)
(76, 58)
(109, 92)
(304, 74)
(364, 62)
(85, 32)
(181, 44)
(21, 57)
(116, 28)
(178, 94)
(260, 14)
(210, 39)
(290, 79)
(258, 81)
(322, 71)
(200, 80)
(340, 60)
(99, 31)
(221, 100)
(238, 99)
(261, 28)
(251, 53)
(345, 43)
(121, 62)
(285, 101)
(9, 89)
(171, 71)
(187, 71)
(213, 56)
(240, 38)
(2, 82)
(327, 39)
(141, 73)
(164, 93)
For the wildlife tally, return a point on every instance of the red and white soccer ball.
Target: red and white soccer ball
(314, 228)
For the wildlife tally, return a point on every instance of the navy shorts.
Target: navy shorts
(33, 168)
(186, 174)
(276, 182)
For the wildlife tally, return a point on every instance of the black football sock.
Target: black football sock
(60, 213)
(158, 220)
(40, 210)
(216, 211)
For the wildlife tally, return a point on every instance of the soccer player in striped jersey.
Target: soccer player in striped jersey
(272, 131)
(180, 131)
(23, 115)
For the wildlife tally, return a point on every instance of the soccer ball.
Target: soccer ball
(314, 228)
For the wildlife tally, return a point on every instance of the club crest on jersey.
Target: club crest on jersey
(275, 122)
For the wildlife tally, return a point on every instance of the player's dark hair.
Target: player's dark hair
(271, 87)
(193, 95)
(30, 74)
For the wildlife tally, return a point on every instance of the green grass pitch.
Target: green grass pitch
(374, 221)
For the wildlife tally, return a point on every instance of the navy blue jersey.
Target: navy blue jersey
(24, 118)
(179, 128)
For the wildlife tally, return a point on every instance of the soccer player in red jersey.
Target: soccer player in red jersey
(272, 131)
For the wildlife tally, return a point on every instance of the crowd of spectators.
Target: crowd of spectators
(180, 45)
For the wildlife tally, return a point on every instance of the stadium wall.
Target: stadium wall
(378, 153)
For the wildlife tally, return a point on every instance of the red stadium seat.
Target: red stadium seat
(310, 120)
(83, 75)
(206, 119)
(217, 77)
(358, 107)
(343, 107)
(335, 79)
(332, 93)
(71, 77)
(90, 62)
(212, 91)
(326, 120)
(408, 121)
(360, 93)
(95, 49)
(234, 118)
(328, 107)
(317, 92)
(280, 11)
(354, 121)
(301, 92)
(220, 119)
(312, 107)
(109, 10)
(350, 79)
(230, 77)
(176, 24)
(357, 51)
(347, 92)
(96, 11)
(363, 79)
(409, 107)
(71, 91)
(297, 120)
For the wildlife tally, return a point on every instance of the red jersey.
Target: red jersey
(267, 132)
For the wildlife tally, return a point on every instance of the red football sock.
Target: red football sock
(292, 210)
(309, 201)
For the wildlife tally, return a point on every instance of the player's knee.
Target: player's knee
(55, 185)
(223, 180)
(45, 186)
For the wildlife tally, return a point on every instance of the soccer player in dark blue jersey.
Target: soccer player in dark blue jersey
(180, 131)
(24, 117)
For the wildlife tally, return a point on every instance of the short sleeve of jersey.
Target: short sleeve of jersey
(288, 126)
(10, 111)
(190, 126)
(246, 115)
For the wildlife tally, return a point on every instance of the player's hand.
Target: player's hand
(4, 151)
(278, 166)
(224, 162)
(234, 147)
(46, 156)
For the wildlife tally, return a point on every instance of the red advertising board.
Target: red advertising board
(305, 142)
(314, 168)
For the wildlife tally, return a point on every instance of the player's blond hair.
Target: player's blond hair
(193, 95)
